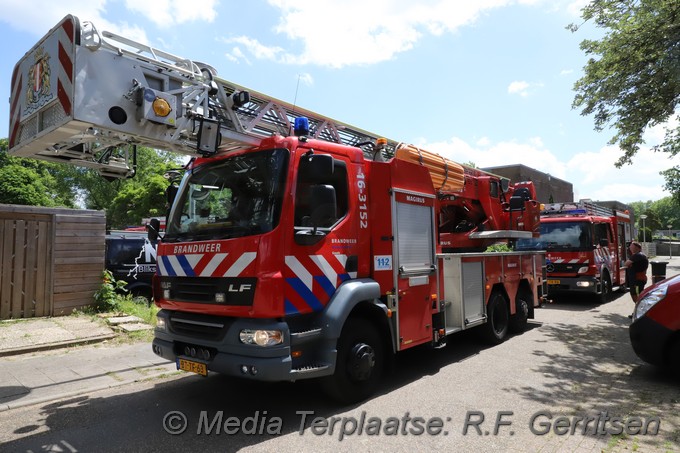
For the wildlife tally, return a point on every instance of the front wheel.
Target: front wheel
(359, 364)
(497, 320)
(606, 293)
(673, 357)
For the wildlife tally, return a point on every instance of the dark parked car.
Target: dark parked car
(132, 258)
(655, 330)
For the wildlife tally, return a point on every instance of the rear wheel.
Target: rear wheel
(498, 319)
(518, 321)
(359, 364)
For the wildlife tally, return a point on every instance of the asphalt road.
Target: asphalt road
(535, 392)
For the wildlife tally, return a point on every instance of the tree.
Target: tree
(32, 182)
(665, 212)
(632, 79)
(127, 201)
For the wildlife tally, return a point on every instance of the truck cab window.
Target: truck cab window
(233, 197)
(321, 197)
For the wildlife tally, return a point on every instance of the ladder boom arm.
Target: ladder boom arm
(87, 97)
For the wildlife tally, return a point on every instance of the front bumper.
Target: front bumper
(649, 340)
(199, 340)
(260, 368)
(589, 285)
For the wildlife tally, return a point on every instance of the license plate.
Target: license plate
(192, 367)
(553, 282)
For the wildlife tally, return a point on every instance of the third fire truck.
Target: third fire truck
(586, 247)
(297, 246)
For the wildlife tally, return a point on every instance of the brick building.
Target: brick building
(548, 188)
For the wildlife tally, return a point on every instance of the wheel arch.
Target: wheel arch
(524, 291)
(356, 298)
(499, 288)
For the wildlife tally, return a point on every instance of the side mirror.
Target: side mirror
(171, 193)
(316, 167)
(324, 206)
(153, 229)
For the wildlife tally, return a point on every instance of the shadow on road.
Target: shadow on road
(135, 421)
(600, 372)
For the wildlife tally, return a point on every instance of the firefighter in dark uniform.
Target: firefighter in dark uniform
(636, 270)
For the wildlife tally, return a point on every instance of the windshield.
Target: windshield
(238, 196)
(559, 236)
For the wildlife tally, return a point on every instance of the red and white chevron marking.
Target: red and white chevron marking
(315, 265)
(62, 42)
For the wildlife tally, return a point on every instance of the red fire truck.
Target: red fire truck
(297, 246)
(586, 246)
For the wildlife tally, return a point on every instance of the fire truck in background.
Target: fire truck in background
(586, 246)
(297, 246)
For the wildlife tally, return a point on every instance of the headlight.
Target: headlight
(160, 323)
(582, 269)
(261, 337)
(649, 301)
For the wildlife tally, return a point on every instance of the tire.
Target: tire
(518, 321)
(498, 320)
(606, 293)
(673, 357)
(359, 364)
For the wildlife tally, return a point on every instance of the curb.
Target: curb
(57, 345)
(46, 399)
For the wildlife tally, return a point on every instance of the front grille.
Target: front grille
(198, 326)
(567, 268)
(235, 290)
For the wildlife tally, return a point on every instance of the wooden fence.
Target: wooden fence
(52, 260)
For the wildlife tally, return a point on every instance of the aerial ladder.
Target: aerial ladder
(70, 104)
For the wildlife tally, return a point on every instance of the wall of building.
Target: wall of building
(549, 189)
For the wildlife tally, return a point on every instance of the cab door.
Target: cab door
(324, 249)
(415, 265)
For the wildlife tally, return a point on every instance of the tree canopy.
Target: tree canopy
(660, 214)
(126, 202)
(632, 78)
(32, 182)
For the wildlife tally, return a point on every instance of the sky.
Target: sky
(488, 82)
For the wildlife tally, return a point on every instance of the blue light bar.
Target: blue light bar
(301, 126)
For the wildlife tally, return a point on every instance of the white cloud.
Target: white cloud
(523, 88)
(236, 55)
(655, 135)
(15, 13)
(361, 32)
(38, 16)
(166, 13)
(592, 173)
(574, 8)
(306, 79)
(254, 47)
(565, 72)
(518, 87)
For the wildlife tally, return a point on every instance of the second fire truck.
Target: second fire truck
(297, 246)
(586, 247)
